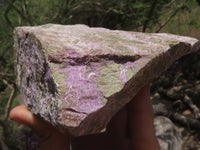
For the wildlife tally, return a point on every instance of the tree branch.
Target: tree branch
(198, 1)
(27, 12)
(3, 145)
(6, 16)
(170, 18)
(6, 75)
(3, 124)
(153, 6)
(11, 98)
(5, 129)
(19, 12)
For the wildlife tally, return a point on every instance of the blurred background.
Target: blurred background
(177, 90)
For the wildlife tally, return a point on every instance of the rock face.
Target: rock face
(77, 78)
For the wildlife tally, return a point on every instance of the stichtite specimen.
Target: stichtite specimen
(77, 77)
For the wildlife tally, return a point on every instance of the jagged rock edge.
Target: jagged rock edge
(76, 131)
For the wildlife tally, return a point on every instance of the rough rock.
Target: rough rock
(77, 78)
(168, 135)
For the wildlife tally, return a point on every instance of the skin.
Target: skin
(130, 129)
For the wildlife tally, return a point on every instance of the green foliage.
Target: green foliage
(115, 14)
(187, 21)
(194, 23)
(2, 86)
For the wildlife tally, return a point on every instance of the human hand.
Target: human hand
(49, 137)
(131, 128)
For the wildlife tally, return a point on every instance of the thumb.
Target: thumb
(49, 137)
(22, 115)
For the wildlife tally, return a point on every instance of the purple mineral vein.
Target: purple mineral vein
(82, 94)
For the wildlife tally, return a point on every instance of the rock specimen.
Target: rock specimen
(77, 78)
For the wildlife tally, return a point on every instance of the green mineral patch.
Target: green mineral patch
(123, 50)
(155, 40)
(60, 78)
(51, 49)
(115, 38)
(130, 73)
(172, 43)
(108, 79)
(47, 26)
(104, 100)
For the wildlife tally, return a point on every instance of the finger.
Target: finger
(118, 124)
(141, 103)
(140, 114)
(49, 137)
(22, 115)
(112, 139)
(141, 127)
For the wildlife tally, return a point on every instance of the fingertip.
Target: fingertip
(21, 114)
(14, 112)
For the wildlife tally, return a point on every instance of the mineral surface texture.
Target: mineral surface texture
(77, 77)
